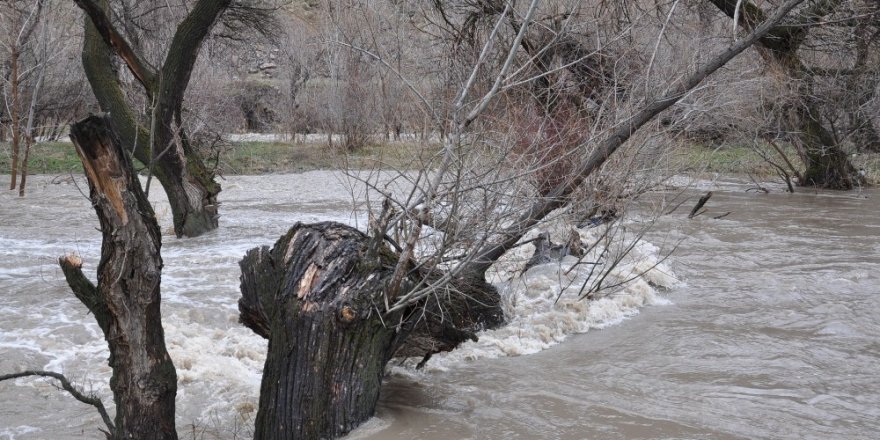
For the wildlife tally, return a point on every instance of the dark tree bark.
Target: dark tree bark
(188, 182)
(826, 164)
(126, 300)
(317, 296)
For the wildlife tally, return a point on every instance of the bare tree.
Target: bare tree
(161, 143)
(786, 48)
(21, 20)
(336, 304)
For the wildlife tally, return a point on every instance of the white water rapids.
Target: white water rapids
(773, 335)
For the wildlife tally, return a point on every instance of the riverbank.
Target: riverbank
(254, 157)
(743, 160)
(251, 157)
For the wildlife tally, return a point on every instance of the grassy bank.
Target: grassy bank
(744, 160)
(45, 158)
(281, 157)
(237, 158)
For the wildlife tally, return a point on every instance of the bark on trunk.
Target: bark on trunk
(318, 298)
(188, 182)
(826, 164)
(16, 118)
(126, 300)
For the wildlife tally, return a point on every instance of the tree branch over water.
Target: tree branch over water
(66, 385)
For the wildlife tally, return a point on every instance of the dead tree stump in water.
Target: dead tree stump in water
(317, 296)
(126, 300)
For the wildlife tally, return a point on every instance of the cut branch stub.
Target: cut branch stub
(318, 299)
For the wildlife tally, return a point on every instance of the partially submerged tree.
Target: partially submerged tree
(126, 300)
(785, 48)
(336, 304)
(161, 143)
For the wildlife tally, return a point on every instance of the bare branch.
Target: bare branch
(67, 386)
(558, 196)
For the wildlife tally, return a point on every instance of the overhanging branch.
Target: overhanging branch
(558, 196)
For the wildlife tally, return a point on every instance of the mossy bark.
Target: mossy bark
(126, 300)
(189, 184)
(826, 164)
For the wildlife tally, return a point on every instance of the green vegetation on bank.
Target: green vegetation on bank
(45, 158)
(281, 157)
(744, 160)
(252, 157)
(256, 157)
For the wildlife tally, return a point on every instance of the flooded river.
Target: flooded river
(773, 331)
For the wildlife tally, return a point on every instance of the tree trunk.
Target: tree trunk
(317, 296)
(187, 181)
(126, 301)
(827, 165)
(15, 115)
(24, 165)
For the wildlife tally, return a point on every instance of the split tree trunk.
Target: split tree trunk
(187, 181)
(126, 301)
(318, 296)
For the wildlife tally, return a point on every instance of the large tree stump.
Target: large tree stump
(126, 300)
(318, 297)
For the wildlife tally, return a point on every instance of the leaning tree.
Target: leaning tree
(336, 304)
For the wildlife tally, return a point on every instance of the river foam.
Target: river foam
(544, 304)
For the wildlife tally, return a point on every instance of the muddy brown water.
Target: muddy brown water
(774, 334)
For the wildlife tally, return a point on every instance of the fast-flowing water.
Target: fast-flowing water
(772, 334)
